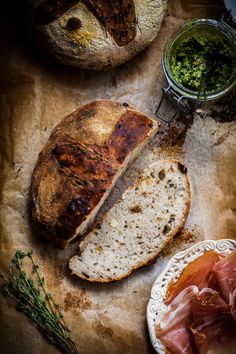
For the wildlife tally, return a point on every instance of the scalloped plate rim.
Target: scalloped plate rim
(156, 343)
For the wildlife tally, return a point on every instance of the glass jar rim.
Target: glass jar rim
(224, 30)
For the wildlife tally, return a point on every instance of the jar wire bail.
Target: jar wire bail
(180, 103)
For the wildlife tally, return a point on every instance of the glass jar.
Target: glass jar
(184, 98)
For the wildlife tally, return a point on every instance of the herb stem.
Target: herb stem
(39, 308)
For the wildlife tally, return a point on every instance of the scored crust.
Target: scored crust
(93, 35)
(149, 259)
(75, 172)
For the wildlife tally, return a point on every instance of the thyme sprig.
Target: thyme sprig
(36, 302)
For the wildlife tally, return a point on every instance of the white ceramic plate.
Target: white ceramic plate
(171, 272)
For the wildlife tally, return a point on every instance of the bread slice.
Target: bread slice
(138, 227)
(78, 167)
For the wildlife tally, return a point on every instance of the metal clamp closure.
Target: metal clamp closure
(180, 102)
(229, 20)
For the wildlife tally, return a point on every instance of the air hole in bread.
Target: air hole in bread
(162, 174)
(166, 229)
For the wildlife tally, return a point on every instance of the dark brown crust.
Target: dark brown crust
(50, 10)
(71, 177)
(117, 17)
(151, 259)
(92, 168)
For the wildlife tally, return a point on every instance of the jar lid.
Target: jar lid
(231, 8)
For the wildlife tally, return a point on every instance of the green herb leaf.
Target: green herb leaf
(29, 254)
(19, 254)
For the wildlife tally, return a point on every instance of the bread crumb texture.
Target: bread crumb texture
(137, 228)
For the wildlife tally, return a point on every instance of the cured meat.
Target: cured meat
(232, 303)
(201, 312)
(211, 319)
(225, 272)
(208, 301)
(199, 273)
(172, 328)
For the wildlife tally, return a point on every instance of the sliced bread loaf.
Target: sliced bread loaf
(138, 227)
(85, 155)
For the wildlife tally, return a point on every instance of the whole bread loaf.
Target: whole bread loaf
(138, 227)
(86, 153)
(94, 34)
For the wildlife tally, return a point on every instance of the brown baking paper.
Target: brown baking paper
(36, 93)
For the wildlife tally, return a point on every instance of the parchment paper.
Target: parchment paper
(36, 93)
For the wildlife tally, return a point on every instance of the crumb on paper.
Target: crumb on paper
(183, 239)
(77, 301)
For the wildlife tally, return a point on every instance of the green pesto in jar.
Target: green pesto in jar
(197, 53)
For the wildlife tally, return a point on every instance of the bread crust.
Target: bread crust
(151, 259)
(94, 36)
(117, 18)
(77, 166)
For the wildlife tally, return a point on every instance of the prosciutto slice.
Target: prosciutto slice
(199, 273)
(225, 271)
(211, 319)
(232, 303)
(172, 327)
